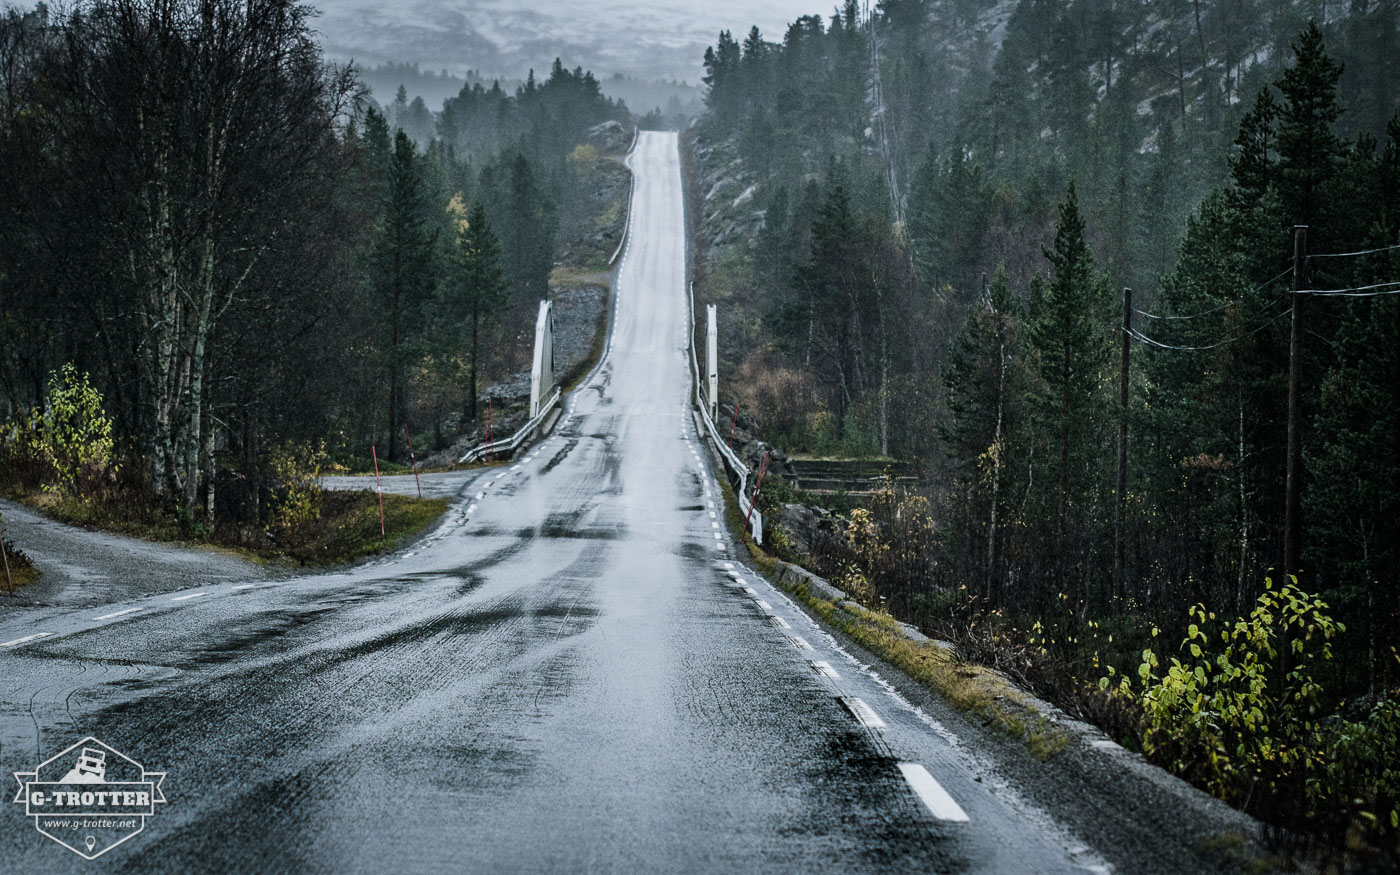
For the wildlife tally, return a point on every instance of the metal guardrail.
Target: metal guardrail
(512, 443)
(732, 462)
(631, 193)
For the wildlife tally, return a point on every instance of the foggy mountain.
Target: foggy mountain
(656, 40)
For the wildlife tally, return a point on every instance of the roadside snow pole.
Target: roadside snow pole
(10, 581)
(753, 502)
(375, 454)
(487, 454)
(414, 459)
(542, 370)
(711, 360)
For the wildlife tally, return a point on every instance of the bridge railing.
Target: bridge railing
(512, 443)
(732, 463)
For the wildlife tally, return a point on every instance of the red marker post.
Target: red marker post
(414, 459)
(375, 453)
(8, 579)
(488, 429)
(757, 485)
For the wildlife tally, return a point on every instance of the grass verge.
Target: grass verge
(972, 689)
(344, 528)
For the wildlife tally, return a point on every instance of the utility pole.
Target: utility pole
(1293, 484)
(1120, 511)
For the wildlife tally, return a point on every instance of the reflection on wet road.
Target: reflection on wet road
(573, 672)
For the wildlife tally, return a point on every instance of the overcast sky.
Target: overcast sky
(658, 39)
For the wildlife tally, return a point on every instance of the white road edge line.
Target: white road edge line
(931, 793)
(863, 713)
(825, 670)
(193, 595)
(35, 637)
(116, 614)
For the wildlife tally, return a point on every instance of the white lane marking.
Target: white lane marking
(118, 614)
(240, 586)
(480, 495)
(488, 483)
(714, 525)
(741, 581)
(729, 565)
(472, 509)
(193, 595)
(931, 793)
(825, 670)
(35, 637)
(717, 536)
(764, 605)
(781, 623)
(712, 515)
(750, 591)
(516, 468)
(800, 642)
(863, 713)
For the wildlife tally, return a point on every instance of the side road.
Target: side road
(80, 567)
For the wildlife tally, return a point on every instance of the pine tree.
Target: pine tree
(402, 271)
(984, 384)
(1309, 150)
(476, 288)
(1068, 329)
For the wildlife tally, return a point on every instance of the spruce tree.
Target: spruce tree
(402, 272)
(476, 288)
(1068, 329)
(1310, 151)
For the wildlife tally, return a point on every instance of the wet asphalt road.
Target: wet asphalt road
(571, 673)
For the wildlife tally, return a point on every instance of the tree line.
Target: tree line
(237, 246)
(982, 337)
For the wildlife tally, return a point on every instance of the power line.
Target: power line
(1351, 254)
(1371, 291)
(1142, 338)
(1255, 290)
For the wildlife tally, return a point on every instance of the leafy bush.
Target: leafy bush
(297, 471)
(67, 448)
(1241, 710)
(1242, 715)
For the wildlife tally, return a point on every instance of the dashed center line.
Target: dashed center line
(193, 595)
(931, 793)
(115, 614)
(863, 713)
(764, 605)
(35, 637)
(824, 669)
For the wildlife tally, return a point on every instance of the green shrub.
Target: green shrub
(1241, 709)
(73, 436)
(296, 505)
